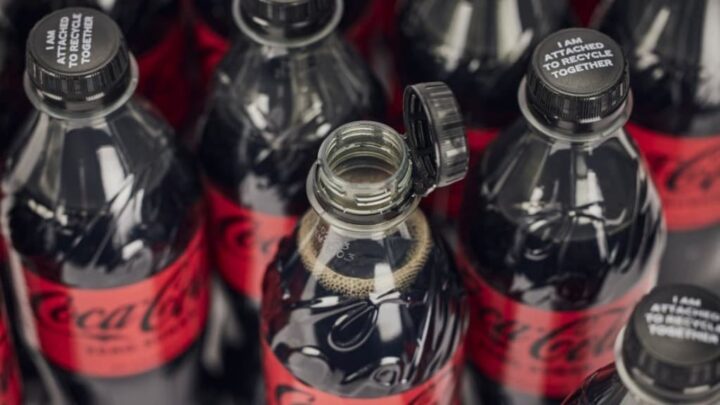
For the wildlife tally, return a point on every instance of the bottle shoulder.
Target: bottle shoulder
(98, 196)
(276, 92)
(673, 64)
(341, 295)
(556, 225)
(603, 387)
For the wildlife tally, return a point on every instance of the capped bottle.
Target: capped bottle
(105, 224)
(288, 82)
(154, 32)
(363, 303)
(671, 46)
(669, 353)
(561, 229)
(481, 49)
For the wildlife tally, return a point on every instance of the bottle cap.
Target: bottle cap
(577, 75)
(672, 342)
(435, 135)
(76, 56)
(287, 20)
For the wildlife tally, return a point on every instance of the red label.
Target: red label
(284, 389)
(543, 353)
(244, 241)
(687, 174)
(127, 330)
(163, 78)
(10, 391)
(211, 47)
(446, 202)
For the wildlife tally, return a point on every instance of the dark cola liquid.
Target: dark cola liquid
(530, 238)
(71, 232)
(677, 98)
(363, 347)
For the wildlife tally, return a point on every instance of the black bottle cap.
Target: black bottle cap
(283, 20)
(77, 58)
(672, 342)
(577, 75)
(436, 136)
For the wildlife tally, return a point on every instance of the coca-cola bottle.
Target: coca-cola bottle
(154, 32)
(287, 83)
(215, 28)
(363, 303)
(669, 353)
(10, 384)
(676, 122)
(104, 219)
(561, 229)
(480, 48)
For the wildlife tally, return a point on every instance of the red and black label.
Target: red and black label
(447, 202)
(539, 352)
(127, 330)
(282, 388)
(244, 241)
(687, 174)
(10, 387)
(163, 76)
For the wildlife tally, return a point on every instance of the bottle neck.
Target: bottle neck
(575, 132)
(98, 107)
(363, 179)
(281, 37)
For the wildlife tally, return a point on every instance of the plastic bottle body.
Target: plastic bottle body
(106, 228)
(561, 239)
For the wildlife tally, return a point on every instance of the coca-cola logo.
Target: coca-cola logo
(173, 303)
(698, 175)
(568, 342)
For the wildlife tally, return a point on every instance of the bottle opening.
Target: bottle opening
(364, 155)
(363, 172)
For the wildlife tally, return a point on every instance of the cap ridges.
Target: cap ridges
(436, 135)
(77, 55)
(673, 341)
(577, 75)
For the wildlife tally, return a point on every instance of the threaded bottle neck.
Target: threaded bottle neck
(364, 176)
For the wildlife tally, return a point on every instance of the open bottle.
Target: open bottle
(364, 302)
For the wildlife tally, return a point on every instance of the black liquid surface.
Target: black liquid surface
(671, 49)
(559, 227)
(369, 346)
(77, 198)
